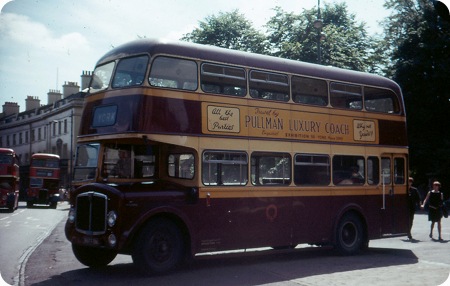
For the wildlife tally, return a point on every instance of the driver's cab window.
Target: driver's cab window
(129, 161)
(181, 166)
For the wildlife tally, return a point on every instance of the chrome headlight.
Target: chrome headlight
(112, 240)
(111, 218)
(72, 215)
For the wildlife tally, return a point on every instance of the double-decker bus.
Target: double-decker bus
(186, 149)
(44, 180)
(9, 179)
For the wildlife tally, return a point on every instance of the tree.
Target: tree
(229, 30)
(419, 44)
(346, 44)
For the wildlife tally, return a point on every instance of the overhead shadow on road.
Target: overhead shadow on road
(251, 268)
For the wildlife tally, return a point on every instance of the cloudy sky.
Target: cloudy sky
(44, 43)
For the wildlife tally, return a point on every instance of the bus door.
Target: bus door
(393, 205)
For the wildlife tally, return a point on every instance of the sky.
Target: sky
(45, 43)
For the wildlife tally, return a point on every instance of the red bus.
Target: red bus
(186, 149)
(9, 179)
(44, 180)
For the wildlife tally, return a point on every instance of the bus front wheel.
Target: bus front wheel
(159, 247)
(349, 235)
(93, 257)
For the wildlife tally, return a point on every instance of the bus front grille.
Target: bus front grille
(43, 194)
(91, 213)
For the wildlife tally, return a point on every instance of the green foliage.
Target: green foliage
(419, 45)
(228, 30)
(293, 36)
(346, 43)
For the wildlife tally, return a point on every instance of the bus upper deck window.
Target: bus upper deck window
(130, 72)
(174, 73)
(223, 79)
(348, 96)
(101, 77)
(381, 100)
(271, 86)
(309, 91)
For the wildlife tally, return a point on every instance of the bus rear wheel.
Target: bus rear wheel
(349, 235)
(93, 257)
(159, 247)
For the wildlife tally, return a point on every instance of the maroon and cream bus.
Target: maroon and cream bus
(186, 149)
(9, 179)
(44, 180)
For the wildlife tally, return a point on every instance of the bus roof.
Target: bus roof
(44, 155)
(7, 151)
(234, 57)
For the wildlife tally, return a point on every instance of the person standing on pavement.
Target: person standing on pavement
(436, 198)
(414, 201)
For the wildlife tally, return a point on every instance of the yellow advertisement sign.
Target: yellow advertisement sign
(286, 124)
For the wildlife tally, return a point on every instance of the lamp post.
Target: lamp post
(318, 24)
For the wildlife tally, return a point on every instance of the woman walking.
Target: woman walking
(436, 199)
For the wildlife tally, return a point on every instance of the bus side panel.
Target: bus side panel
(312, 219)
(269, 222)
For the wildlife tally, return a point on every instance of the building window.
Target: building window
(65, 126)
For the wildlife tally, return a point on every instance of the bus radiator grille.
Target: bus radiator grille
(91, 213)
(43, 194)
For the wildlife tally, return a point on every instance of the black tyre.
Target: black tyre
(93, 257)
(159, 247)
(349, 235)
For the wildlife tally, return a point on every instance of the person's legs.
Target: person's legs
(439, 229)
(411, 220)
(431, 230)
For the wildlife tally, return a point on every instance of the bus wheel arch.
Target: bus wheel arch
(350, 236)
(161, 244)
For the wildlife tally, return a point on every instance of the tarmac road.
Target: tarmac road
(393, 261)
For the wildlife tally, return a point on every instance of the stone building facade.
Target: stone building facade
(50, 128)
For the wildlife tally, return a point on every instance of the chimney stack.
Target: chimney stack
(70, 88)
(10, 108)
(53, 96)
(32, 102)
(85, 79)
